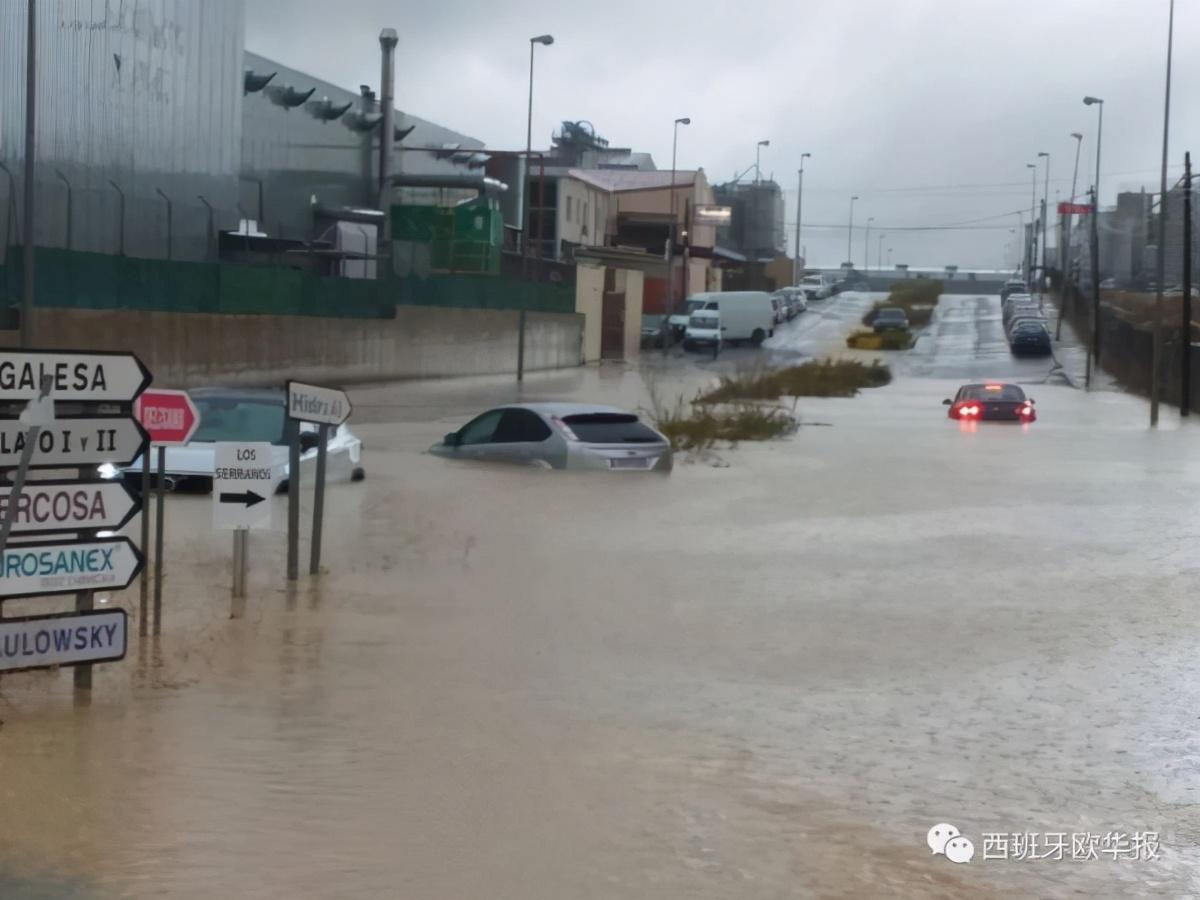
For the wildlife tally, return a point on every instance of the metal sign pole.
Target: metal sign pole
(314, 566)
(31, 439)
(158, 537)
(144, 582)
(293, 535)
(237, 607)
(84, 602)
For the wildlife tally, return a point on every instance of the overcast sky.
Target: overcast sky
(928, 110)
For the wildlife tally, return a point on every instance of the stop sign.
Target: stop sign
(170, 417)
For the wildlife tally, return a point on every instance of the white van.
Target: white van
(817, 286)
(745, 315)
(679, 320)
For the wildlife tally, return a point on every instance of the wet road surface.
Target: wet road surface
(766, 678)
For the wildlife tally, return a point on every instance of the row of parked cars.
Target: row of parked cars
(1025, 323)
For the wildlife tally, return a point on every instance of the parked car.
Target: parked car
(679, 320)
(793, 301)
(1030, 338)
(560, 436)
(243, 414)
(1108, 284)
(745, 315)
(653, 330)
(890, 318)
(1013, 286)
(1026, 317)
(703, 331)
(1020, 309)
(779, 310)
(817, 286)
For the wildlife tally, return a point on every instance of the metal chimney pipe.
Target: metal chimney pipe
(388, 39)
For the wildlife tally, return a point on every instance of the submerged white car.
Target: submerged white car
(560, 436)
(240, 414)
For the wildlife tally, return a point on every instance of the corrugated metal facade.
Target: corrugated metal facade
(142, 93)
(148, 94)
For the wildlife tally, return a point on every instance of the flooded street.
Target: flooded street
(766, 675)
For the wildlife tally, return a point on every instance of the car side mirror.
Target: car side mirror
(947, 402)
(308, 441)
(1032, 402)
(451, 440)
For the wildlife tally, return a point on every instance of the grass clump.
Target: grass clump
(916, 296)
(887, 340)
(700, 426)
(818, 378)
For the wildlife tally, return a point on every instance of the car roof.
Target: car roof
(566, 409)
(253, 395)
(984, 384)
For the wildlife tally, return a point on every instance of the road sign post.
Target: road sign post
(143, 583)
(325, 407)
(159, 528)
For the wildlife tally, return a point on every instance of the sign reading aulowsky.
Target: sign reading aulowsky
(74, 442)
(244, 479)
(64, 639)
(169, 417)
(310, 403)
(86, 376)
(49, 506)
(35, 569)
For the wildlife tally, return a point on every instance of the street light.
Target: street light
(545, 40)
(757, 151)
(867, 245)
(1065, 240)
(1094, 242)
(799, 199)
(850, 234)
(1160, 268)
(1045, 215)
(671, 237)
(1031, 244)
(889, 257)
(879, 253)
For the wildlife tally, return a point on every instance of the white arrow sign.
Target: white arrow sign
(91, 375)
(63, 639)
(49, 506)
(244, 479)
(74, 442)
(310, 403)
(65, 567)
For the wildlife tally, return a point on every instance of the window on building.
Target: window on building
(569, 208)
(583, 215)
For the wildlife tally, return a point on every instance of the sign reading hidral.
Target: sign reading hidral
(64, 639)
(310, 403)
(65, 567)
(243, 480)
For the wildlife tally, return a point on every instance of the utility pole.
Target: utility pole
(1156, 354)
(799, 207)
(1045, 216)
(30, 190)
(850, 234)
(1185, 393)
(1094, 244)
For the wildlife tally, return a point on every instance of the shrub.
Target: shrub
(917, 297)
(699, 426)
(818, 378)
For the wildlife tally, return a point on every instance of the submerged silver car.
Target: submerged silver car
(560, 436)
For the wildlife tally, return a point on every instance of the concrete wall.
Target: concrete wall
(589, 303)
(633, 283)
(187, 350)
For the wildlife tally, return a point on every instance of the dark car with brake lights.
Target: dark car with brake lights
(996, 402)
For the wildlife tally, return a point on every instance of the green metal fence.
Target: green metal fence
(74, 280)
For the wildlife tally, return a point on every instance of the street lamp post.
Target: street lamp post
(889, 257)
(27, 252)
(1094, 344)
(879, 253)
(1045, 216)
(666, 326)
(1064, 254)
(867, 245)
(545, 40)
(1160, 268)
(850, 233)
(799, 207)
(1031, 244)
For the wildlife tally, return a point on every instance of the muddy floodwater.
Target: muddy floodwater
(766, 675)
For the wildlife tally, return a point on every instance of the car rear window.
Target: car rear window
(610, 428)
(1006, 392)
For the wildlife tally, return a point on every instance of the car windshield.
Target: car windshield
(811, 279)
(890, 314)
(610, 428)
(239, 419)
(704, 322)
(1005, 392)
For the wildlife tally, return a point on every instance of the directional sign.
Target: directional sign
(63, 639)
(309, 403)
(65, 567)
(84, 375)
(243, 479)
(49, 506)
(75, 442)
(169, 417)
(1074, 209)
